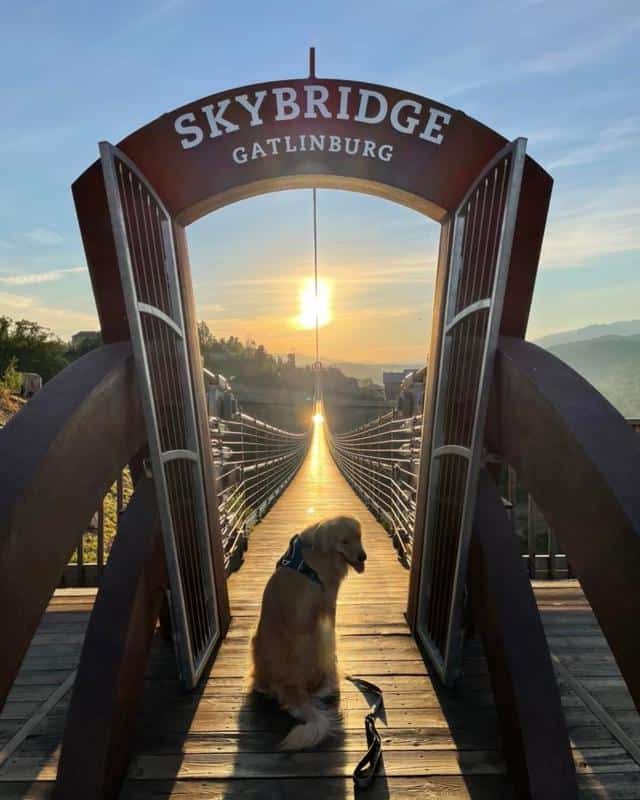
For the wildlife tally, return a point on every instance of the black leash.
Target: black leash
(365, 771)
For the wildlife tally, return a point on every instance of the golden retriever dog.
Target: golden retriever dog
(294, 651)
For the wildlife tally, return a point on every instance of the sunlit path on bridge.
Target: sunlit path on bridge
(226, 734)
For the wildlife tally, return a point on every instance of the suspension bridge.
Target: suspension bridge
(132, 682)
(221, 741)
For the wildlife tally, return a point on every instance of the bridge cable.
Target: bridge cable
(317, 370)
(315, 267)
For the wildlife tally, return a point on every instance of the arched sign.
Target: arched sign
(323, 133)
(300, 133)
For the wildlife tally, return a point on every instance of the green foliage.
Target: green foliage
(27, 346)
(90, 540)
(11, 378)
(30, 347)
(249, 363)
(88, 343)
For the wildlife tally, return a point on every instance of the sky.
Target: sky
(564, 74)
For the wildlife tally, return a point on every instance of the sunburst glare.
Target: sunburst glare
(310, 305)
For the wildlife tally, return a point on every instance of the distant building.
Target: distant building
(392, 382)
(82, 336)
(371, 390)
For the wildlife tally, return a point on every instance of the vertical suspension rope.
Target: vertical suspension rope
(315, 267)
(317, 374)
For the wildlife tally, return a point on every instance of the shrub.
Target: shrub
(11, 378)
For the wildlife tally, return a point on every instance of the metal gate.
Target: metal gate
(145, 249)
(483, 228)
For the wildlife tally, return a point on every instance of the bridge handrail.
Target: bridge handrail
(576, 455)
(381, 461)
(63, 451)
(250, 444)
(254, 462)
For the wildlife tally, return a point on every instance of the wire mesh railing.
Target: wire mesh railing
(90, 556)
(254, 462)
(538, 542)
(381, 461)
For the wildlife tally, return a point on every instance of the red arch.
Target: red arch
(429, 176)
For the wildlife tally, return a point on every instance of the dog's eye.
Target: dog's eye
(345, 541)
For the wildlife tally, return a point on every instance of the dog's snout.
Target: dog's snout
(362, 556)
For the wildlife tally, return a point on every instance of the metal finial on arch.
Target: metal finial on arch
(312, 62)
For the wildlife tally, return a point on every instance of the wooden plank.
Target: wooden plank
(320, 764)
(32, 723)
(485, 787)
(599, 711)
(478, 787)
(221, 743)
(323, 763)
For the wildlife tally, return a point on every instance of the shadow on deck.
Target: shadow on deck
(221, 742)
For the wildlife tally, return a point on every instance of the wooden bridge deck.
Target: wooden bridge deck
(221, 743)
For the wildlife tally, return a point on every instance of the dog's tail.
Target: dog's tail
(318, 722)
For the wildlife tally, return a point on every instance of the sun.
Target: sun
(310, 305)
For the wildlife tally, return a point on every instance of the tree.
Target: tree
(88, 343)
(34, 348)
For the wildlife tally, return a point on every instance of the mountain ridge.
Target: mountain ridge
(629, 327)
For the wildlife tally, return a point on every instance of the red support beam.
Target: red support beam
(97, 737)
(65, 448)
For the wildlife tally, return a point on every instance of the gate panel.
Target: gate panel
(483, 228)
(148, 271)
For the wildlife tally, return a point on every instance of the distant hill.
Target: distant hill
(371, 371)
(361, 371)
(608, 356)
(624, 328)
(611, 363)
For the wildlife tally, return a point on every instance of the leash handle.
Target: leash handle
(367, 767)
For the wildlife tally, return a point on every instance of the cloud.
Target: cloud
(412, 272)
(28, 279)
(585, 52)
(552, 62)
(44, 236)
(63, 321)
(394, 274)
(609, 140)
(14, 301)
(577, 235)
(267, 280)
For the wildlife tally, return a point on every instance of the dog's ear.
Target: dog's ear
(308, 535)
(354, 523)
(320, 536)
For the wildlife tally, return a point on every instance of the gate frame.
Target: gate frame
(190, 666)
(447, 664)
(428, 177)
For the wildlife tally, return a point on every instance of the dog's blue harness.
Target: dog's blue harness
(292, 559)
